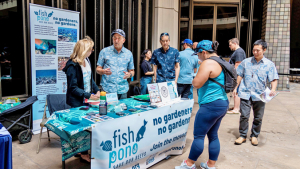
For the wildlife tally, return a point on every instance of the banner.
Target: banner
(53, 34)
(139, 141)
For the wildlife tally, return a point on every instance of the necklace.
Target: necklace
(255, 70)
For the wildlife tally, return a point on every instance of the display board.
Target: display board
(53, 34)
(141, 140)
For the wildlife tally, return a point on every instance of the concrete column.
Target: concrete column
(165, 20)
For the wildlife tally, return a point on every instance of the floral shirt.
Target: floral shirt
(117, 62)
(165, 62)
(255, 75)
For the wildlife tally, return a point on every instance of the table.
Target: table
(5, 148)
(153, 134)
(76, 138)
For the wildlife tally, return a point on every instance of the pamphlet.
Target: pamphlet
(265, 96)
(154, 93)
(164, 92)
(111, 98)
(172, 90)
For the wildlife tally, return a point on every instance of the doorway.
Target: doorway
(215, 22)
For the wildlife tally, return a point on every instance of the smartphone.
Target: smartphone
(84, 108)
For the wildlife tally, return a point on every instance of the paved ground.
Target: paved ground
(279, 142)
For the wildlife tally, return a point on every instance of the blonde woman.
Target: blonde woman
(79, 74)
(80, 79)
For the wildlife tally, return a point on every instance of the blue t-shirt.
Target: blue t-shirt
(187, 65)
(165, 62)
(211, 91)
(146, 67)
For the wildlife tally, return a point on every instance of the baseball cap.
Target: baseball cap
(118, 31)
(206, 45)
(188, 41)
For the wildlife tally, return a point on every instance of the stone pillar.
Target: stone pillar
(276, 31)
(165, 20)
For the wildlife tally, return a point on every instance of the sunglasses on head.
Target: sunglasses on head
(163, 34)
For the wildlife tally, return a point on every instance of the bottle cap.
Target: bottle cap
(102, 93)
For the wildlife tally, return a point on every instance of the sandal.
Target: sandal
(233, 112)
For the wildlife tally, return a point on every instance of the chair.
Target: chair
(54, 102)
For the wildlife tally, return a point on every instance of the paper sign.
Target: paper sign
(154, 93)
(111, 98)
(164, 92)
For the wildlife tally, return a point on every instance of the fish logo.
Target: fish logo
(107, 146)
(141, 132)
(50, 14)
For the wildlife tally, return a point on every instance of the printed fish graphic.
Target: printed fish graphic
(141, 132)
(107, 146)
(50, 14)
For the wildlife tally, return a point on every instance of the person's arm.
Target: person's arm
(177, 70)
(128, 74)
(238, 81)
(149, 73)
(274, 86)
(102, 71)
(203, 73)
(155, 72)
(237, 64)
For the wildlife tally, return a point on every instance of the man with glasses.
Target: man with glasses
(253, 74)
(165, 61)
(188, 66)
(115, 64)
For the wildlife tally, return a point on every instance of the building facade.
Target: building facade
(144, 20)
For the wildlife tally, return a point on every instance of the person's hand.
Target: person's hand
(107, 71)
(234, 92)
(126, 75)
(94, 97)
(272, 93)
(98, 94)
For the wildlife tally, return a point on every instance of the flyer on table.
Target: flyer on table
(53, 34)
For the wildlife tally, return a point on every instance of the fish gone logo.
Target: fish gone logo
(43, 15)
(123, 137)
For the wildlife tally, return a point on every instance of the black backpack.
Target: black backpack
(229, 72)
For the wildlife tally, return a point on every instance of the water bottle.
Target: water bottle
(102, 105)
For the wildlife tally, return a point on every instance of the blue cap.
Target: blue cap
(118, 31)
(188, 41)
(206, 45)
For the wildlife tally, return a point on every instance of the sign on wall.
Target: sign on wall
(140, 140)
(53, 34)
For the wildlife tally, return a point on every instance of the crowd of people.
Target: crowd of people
(190, 68)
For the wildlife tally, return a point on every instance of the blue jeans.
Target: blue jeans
(144, 81)
(207, 122)
(184, 90)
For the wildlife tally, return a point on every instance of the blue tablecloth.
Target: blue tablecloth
(5, 148)
(74, 137)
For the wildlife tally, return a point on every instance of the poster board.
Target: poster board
(53, 34)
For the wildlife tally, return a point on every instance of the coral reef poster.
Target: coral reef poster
(53, 35)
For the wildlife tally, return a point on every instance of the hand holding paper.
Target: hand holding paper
(268, 95)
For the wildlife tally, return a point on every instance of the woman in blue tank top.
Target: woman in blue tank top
(213, 103)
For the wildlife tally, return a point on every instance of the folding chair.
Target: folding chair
(54, 102)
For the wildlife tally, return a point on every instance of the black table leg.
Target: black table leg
(63, 164)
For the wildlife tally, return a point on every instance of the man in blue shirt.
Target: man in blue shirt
(253, 74)
(166, 61)
(115, 64)
(188, 66)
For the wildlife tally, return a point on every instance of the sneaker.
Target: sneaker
(240, 141)
(185, 166)
(205, 166)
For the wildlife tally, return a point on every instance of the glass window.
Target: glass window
(226, 28)
(185, 6)
(13, 80)
(203, 23)
(184, 31)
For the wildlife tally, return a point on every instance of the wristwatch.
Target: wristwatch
(130, 75)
